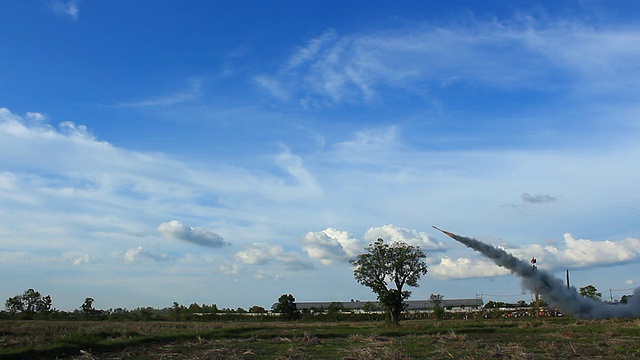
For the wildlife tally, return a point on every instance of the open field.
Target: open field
(424, 339)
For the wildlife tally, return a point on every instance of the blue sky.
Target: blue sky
(228, 153)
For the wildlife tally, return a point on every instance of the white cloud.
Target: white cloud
(84, 259)
(574, 254)
(230, 269)
(35, 116)
(392, 233)
(264, 253)
(70, 129)
(513, 54)
(193, 92)
(539, 198)
(331, 245)
(582, 253)
(272, 86)
(138, 254)
(69, 8)
(465, 268)
(312, 49)
(179, 231)
(306, 183)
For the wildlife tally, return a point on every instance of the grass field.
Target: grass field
(551, 338)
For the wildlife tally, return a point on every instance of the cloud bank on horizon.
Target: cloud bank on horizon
(268, 171)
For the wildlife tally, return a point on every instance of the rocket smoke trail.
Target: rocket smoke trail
(553, 290)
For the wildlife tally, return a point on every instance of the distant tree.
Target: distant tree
(241, 311)
(625, 299)
(146, 313)
(522, 303)
(31, 300)
(287, 308)
(334, 309)
(590, 292)
(255, 309)
(490, 305)
(176, 309)
(194, 308)
(28, 304)
(370, 307)
(14, 305)
(383, 264)
(87, 307)
(438, 310)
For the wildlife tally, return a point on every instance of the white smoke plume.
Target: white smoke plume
(553, 290)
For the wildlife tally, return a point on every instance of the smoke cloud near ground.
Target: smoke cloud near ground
(553, 290)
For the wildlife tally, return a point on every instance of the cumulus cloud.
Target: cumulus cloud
(176, 230)
(539, 198)
(397, 234)
(465, 268)
(35, 117)
(264, 253)
(331, 245)
(138, 254)
(582, 253)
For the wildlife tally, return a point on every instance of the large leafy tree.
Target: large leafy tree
(287, 307)
(28, 304)
(590, 292)
(386, 268)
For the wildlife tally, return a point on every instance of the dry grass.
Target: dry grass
(473, 339)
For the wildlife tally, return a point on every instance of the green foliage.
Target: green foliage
(335, 307)
(29, 304)
(386, 268)
(370, 307)
(287, 307)
(590, 292)
(438, 310)
(255, 309)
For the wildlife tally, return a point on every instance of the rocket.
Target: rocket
(449, 234)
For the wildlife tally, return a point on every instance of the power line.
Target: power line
(494, 295)
(622, 289)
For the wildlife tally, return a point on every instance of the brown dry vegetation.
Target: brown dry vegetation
(425, 339)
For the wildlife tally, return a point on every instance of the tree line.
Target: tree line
(32, 305)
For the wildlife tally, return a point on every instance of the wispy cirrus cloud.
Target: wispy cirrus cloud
(66, 8)
(520, 53)
(538, 198)
(191, 93)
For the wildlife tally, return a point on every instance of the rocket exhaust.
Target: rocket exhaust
(553, 289)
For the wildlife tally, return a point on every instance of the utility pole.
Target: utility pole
(568, 279)
(536, 307)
